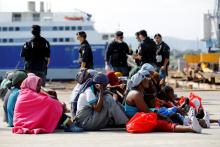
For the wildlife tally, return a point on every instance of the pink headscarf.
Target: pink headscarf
(34, 112)
(30, 82)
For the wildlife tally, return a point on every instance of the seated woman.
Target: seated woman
(8, 86)
(5, 84)
(137, 101)
(116, 86)
(83, 78)
(97, 109)
(17, 79)
(36, 112)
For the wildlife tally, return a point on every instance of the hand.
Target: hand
(162, 82)
(137, 56)
(100, 87)
(65, 109)
(162, 68)
(122, 86)
(52, 93)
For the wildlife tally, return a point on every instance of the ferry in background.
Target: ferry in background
(59, 29)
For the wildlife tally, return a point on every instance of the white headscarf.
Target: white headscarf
(148, 67)
(137, 78)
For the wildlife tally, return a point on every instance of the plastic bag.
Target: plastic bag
(195, 101)
(142, 123)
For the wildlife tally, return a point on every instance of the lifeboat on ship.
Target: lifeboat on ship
(74, 18)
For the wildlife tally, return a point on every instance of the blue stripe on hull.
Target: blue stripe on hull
(62, 56)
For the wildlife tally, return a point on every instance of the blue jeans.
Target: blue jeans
(162, 73)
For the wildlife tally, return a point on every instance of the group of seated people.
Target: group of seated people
(99, 100)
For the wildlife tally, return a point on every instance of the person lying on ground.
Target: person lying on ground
(136, 102)
(197, 109)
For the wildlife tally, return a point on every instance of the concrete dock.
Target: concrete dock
(119, 137)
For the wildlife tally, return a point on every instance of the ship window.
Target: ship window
(54, 28)
(73, 28)
(67, 40)
(54, 39)
(88, 28)
(16, 17)
(61, 40)
(11, 40)
(105, 37)
(4, 29)
(4, 40)
(60, 28)
(79, 28)
(36, 17)
(11, 29)
(0, 28)
(17, 29)
(219, 26)
(67, 28)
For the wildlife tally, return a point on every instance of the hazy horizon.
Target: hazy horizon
(172, 18)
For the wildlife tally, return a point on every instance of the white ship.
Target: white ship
(59, 29)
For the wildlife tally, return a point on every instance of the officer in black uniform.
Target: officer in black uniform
(116, 54)
(147, 51)
(36, 54)
(162, 54)
(85, 51)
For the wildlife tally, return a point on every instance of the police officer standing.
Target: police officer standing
(85, 51)
(36, 54)
(116, 54)
(162, 54)
(147, 51)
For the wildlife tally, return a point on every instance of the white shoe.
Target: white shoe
(195, 125)
(207, 119)
(191, 112)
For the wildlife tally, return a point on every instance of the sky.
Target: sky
(174, 18)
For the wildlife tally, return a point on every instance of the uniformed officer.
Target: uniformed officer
(85, 51)
(36, 54)
(116, 54)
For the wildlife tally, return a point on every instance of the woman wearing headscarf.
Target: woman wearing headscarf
(116, 86)
(84, 79)
(138, 101)
(17, 79)
(36, 112)
(6, 85)
(97, 109)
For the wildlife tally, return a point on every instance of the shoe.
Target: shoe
(191, 112)
(73, 128)
(195, 125)
(207, 119)
(186, 102)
